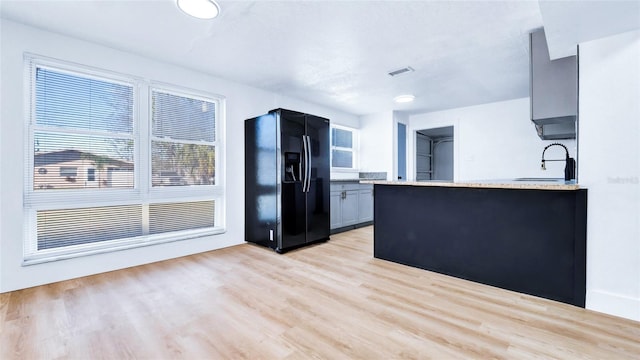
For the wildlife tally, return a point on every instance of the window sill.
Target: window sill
(119, 245)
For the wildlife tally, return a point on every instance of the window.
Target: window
(183, 140)
(107, 173)
(343, 147)
(68, 171)
(80, 121)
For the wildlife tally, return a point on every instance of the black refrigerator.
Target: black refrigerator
(286, 179)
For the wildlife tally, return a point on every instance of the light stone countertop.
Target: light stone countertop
(345, 180)
(488, 184)
(352, 180)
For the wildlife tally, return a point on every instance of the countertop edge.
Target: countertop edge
(352, 180)
(482, 185)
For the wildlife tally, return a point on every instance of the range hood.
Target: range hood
(553, 91)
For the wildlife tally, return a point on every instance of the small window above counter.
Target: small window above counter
(344, 148)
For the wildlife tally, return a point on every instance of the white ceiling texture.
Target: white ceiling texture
(333, 53)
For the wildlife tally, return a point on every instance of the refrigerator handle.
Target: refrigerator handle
(306, 163)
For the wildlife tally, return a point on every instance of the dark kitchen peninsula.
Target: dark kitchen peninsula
(525, 237)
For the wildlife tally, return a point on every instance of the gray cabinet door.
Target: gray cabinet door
(554, 84)
(351, 204)
(336, 209)
(350, 207)
(365, 205)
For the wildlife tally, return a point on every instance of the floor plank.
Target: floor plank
(331, 300)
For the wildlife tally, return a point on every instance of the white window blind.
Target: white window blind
(89, 190)
(169, 217)
(183, 140)
(81, 122)
(68, 227)
(183, 155)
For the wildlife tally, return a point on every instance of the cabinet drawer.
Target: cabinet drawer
(346, 186)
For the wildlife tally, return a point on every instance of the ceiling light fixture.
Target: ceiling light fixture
(201, 9)
(404, 98)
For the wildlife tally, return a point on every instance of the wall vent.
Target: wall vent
(404, 70)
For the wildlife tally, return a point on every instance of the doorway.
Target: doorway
(402, 152)
(434, 154)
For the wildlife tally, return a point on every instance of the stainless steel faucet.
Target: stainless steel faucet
(570, 163)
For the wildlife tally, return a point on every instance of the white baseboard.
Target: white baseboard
(613, 304)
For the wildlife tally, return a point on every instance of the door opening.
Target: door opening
(434, 154)
(402, 151)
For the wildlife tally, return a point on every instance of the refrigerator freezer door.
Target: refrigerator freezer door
(292, 197)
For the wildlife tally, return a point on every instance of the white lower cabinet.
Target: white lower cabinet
(351, 204)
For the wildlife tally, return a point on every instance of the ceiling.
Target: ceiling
(568, 23)
(332, 53)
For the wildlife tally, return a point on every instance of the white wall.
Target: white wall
(492, 141)
(610, 168)
(335, 116)
(377, 143)
(241, 102)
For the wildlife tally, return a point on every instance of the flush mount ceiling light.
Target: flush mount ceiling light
(201, 9)
(404, 98)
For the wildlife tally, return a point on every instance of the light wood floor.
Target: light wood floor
(332, 300)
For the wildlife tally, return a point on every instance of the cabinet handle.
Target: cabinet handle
(344, 195)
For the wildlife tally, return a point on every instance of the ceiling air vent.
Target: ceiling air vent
(404, 70)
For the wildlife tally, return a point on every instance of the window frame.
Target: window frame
(142, 192)
(181, 191)
(40, 198)
(353, 149)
